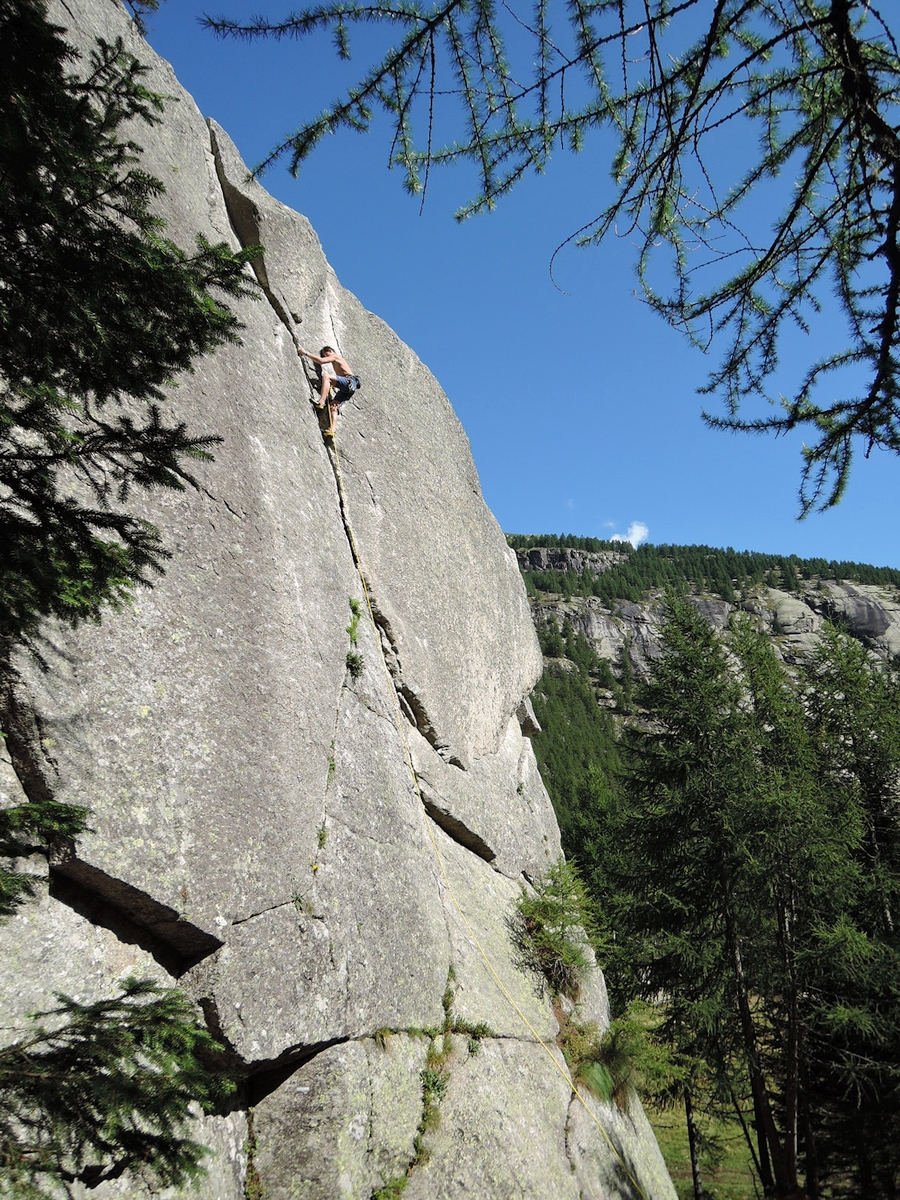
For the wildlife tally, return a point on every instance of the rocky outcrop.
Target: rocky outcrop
(870, 613)
(561, 558)
(312, 846)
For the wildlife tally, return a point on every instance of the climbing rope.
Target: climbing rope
(398, 716)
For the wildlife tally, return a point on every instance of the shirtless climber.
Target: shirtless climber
(343, 382)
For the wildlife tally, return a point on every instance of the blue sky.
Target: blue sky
(581, 405)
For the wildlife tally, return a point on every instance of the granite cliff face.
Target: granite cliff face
(311, 852)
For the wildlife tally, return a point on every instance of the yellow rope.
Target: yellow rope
(398, 715)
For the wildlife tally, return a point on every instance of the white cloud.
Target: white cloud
(637, 533)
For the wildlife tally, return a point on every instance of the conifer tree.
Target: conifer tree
(853, 702)
(94, 1090)
(752, 899)
(99, 313)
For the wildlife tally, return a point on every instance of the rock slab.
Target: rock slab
(313, 800)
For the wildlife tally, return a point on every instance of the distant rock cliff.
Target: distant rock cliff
(869, 612)
(320, 856)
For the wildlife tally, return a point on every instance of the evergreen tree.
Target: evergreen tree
(744, 897)
(853, 702)
(99, 312)
(24, 830)
(94, 1090)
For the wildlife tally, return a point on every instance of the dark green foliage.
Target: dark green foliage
(627, 1058)
(434, 1085)
(566, 541)
(578, 738)
(93, 1090)
(392, 1189)
(26, 828)
(743, 868)
(751, 895)
(550, 929)
(99, 312)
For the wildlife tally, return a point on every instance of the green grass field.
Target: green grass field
(731, 1178)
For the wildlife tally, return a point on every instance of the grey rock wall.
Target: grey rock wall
(559, 558)
(312, 853)
(868, 612)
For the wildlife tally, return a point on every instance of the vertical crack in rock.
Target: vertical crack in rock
(413, 708)
(245, 221)
(370, 1121)
(567, 1135)
(244, 217)
(411, 705)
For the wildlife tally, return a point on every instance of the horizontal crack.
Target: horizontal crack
(91, 890)
(262, 912)
(455, 829)
(257, 1078)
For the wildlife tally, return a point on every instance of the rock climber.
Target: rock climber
(336, 388)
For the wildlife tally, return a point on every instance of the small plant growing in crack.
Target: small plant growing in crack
(435, 1078)
(460, 1025)
(383, 1037)
(392, 1189)
(354, 658)
(434, 1082)
(549, 930)
(253, 1187)
(627, 1057)
(322, 836)
(474, 1032)
(353, 627)
(580, 1044)
(332, 765)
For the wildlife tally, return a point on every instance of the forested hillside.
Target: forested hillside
(721, 740)
(726, 573)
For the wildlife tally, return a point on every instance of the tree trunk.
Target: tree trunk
(693, 1146)
(778, 1182)
(811, 1156)
(792, 1054)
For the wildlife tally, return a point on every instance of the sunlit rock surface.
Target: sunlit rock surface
(258, 835)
